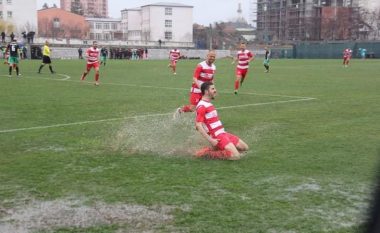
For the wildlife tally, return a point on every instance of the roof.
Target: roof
(132, 9)
(168, 4)
(103, 19)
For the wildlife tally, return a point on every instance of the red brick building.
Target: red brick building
(61, 24)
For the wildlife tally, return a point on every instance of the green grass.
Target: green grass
(310, 167)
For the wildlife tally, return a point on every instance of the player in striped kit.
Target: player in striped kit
(244, 57)
(204, 72)
(174, 55)
(347, 53)
(225, 145)
(92, 56)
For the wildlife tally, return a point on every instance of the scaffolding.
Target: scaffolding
(294, 20)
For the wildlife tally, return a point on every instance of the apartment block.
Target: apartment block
(87, 8)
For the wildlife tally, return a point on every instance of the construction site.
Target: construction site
(284, 21)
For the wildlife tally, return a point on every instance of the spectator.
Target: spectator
(24, 52)
(146, 53)
(2, 37)
(30, 37)
(80, 52)
(12, 36)
(24, 36)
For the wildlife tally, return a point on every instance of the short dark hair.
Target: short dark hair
(205, 86)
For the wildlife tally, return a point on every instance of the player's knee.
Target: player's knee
(242, 146)
(232, 149)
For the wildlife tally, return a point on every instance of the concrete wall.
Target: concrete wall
(160, 54)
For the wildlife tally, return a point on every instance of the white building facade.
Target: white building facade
(105, 29)
(168, 22)
(18, 16)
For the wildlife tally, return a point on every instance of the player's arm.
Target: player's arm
(197, 72)
(202, 131)
(252, 57)
(201, 112)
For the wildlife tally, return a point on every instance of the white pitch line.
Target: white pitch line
(81, 122)
(223, 91)
(64, 75)
(267, 103)
(171, 88)
(141, 116)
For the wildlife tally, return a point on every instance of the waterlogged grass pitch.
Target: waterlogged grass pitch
(79, 158)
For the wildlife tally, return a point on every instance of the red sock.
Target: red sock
(208, 152)
(186, 108)
(96, 77)
(220, 154)
(236, 84)
(203, 152)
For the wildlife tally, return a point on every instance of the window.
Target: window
(1, 14)
(9, 14)
(98, 36)
(114, 26)
(106, 26)
(168, 11)
(168, 23)
(107, 37)
(9, 1)
(98, 26)
(1, 2)
(168, 35)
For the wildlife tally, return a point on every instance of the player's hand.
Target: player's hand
(214, 141)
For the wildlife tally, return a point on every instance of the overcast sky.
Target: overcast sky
(204, 11)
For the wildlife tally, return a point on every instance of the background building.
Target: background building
(87, 8)
(105, 29)
(159, 21)
(300, 20)
(59, 24)
(18, 16)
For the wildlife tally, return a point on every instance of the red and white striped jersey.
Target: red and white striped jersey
(347, 53)
(243, 58)
(208, 116)
(174, 55)
(203, 73)
(92, 55)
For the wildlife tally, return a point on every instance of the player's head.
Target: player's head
(46, 42)
(208, 90)
(242, 45)
(211, 56)
(95, 44)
